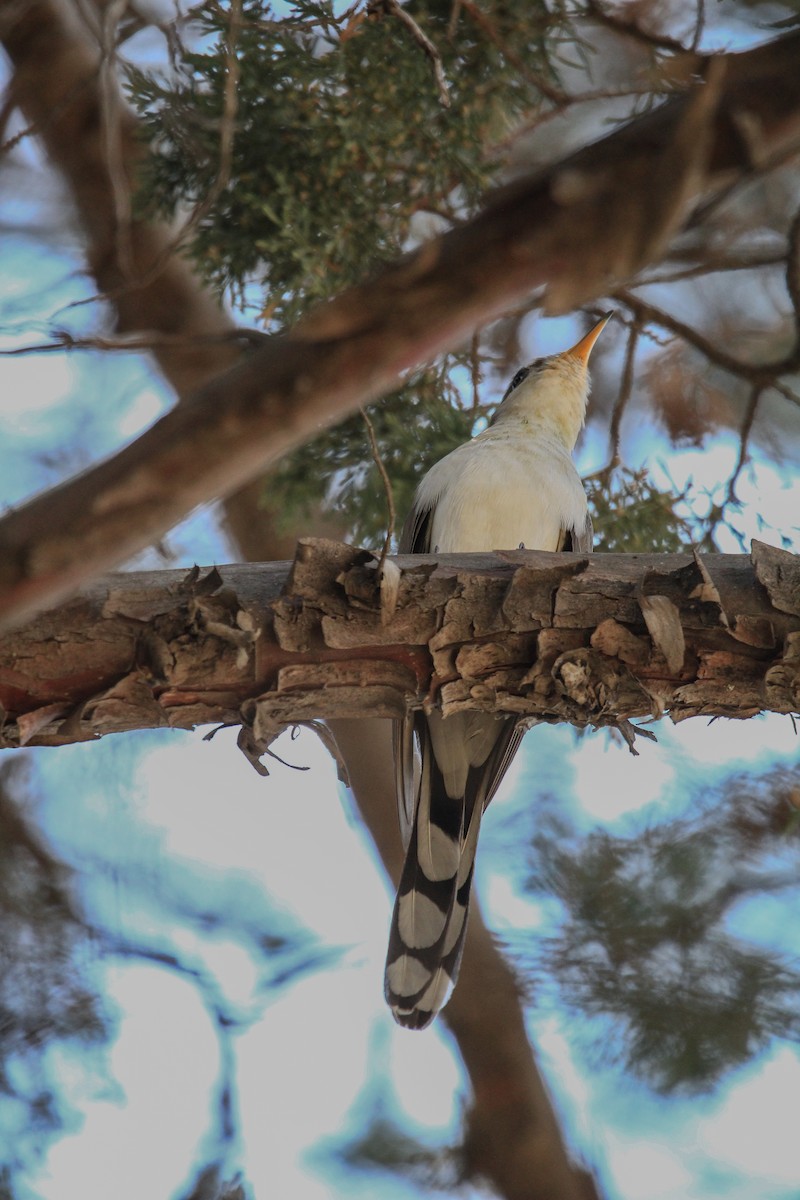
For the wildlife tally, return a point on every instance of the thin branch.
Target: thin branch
(714, 266)
(111, 113)
(761, 161)
(629, 28)
(555, 94)
(393, 8)
(785, 391)
(63, 340)
(756, 393)
(763, 374)
(699, 25)
(626, 390)
(455, 13)
(793, 271)
(387, 487)
(475, 373)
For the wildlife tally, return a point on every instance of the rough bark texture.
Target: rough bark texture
(592, 641)
(578, 227)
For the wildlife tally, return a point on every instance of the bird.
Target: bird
(513, 486)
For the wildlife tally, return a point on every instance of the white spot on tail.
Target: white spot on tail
(437, 994)
(420, 921)
(438, 854)
(406, 975)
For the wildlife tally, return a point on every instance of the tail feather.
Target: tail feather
(430, 915)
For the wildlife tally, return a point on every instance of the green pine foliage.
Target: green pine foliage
(343, 156)
(341, 137)
(633, 516)
(414, 428)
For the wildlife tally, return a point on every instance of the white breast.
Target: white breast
(501, 491)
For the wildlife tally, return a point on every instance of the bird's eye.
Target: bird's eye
(521, 374)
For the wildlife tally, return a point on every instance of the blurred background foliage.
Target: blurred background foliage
(46, 993)
(649, 936)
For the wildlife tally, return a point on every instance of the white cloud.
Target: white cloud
(165, 1059)
(647, 1169)
(755, 1130)
(610, 782)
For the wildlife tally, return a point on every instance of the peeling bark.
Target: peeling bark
(546, 637)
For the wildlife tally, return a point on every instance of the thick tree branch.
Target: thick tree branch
(592, 641)
(62, 86)
(595, 217)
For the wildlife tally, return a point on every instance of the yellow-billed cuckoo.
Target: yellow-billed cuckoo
(513, 486)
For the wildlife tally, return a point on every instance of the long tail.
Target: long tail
(448, 770)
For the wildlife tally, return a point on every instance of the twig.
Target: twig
(793, 270)
(713, 266)
(658, 41)
(763, 165)
(626, 389)
(744, 438)
(393, 8)
(554, 94)
(452, 24)
(475, 371)
(784, 390)
(110, 111)
(387, 487)
(761, 373)
(699, 25)
(135, 343)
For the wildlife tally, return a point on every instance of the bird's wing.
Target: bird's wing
(415, 536)
(579, 541)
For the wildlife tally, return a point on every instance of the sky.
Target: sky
(163, 828)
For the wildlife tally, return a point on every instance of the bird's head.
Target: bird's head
(554, 389)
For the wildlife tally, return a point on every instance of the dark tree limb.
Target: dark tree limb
(61, 84)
